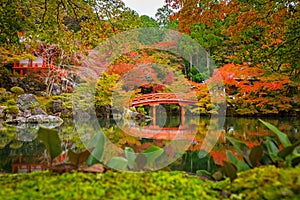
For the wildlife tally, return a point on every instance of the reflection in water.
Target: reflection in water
(14, 142)
(168, 122)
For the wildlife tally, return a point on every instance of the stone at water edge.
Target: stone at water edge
(25, 113)
(36, 119)
(38, 111)
(41, 119)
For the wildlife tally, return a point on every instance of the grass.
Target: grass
(259, 183)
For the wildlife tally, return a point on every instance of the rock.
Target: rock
(16, 121)
(44, 119)
(2, 112)
(27, 101)
(66, 113)
(63, 168)
(26, 113)
(56, 106)
(38, 111)
(36, 119)
(56, 90)
(96, 168)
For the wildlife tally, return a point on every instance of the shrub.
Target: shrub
(4, 95)
(17, 90)
(12, 110)
(11, 102)
(265, 182)
(5, 78)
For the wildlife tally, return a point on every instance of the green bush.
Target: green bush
(259, 183)
(265, 183)
(111, 185)
(12, 110)
(17, 90)
(4, 95)
(5, 78)
(11, 102)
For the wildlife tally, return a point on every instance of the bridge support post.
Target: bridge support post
(154, 115)
(182, 115)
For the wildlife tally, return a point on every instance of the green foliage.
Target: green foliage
(12, 110)
(97, 144)
(193, 161)
(76, 158)
(4, 95)
(50, 139)
(163, 15)
(117, 163)
(73, 25)
(152, 153)
(283, 138)
(230, 170)
(152, 29)
(16, 144)
(241, 148)
(130, 156)
(11, 102)
(274, 183)
(241, 165)
(110, 185)
(265, 154)
(17, 90)
(267, 182)
(105, 89)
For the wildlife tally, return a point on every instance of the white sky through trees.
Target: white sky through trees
(145, 7)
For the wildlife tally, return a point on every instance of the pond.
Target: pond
(18, 144)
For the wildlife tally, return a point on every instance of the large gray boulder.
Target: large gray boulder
(27, 101)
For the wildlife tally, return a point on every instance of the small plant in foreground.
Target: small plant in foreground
(267, 153)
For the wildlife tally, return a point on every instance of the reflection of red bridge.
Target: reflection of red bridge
(158, 133)
(27, 165)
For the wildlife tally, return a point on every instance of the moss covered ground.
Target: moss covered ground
(260, 183)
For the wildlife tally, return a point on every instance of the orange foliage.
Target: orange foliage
(251, 92)
(218, 156)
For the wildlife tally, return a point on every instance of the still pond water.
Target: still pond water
(18, 144)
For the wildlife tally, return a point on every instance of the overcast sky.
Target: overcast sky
(144, 7)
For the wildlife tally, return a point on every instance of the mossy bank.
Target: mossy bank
(260, 183)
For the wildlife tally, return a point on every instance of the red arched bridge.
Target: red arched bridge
(183, 131)
(163, 98)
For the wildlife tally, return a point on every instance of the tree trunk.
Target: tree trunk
(207, 60)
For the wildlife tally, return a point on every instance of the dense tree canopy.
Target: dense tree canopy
(261, 33)
(74, 25)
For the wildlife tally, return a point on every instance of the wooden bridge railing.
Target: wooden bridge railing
(148, 99)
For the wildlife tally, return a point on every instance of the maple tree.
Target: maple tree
(262, 33)
(251, 92)
(256, 46)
